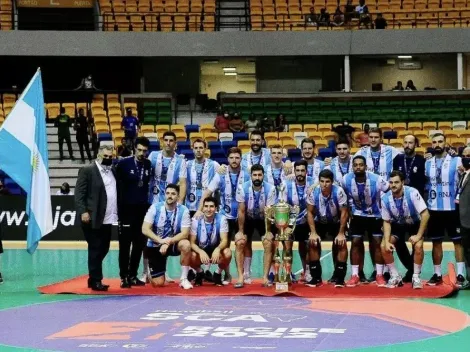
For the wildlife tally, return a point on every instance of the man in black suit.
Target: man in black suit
(133, 175)
(96, 204)
(463, 198)
(412, 166)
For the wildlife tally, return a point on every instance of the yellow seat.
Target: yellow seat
(315, 135)
(176, 128)
(329, 135)
(147, 128)
(211, 136)
(444, 125)
(426, 143)
(386, 126)
(286, 135)
(399, 126)
(415, 126)
(310, 128)
(429, 125)
(241, 144)
(195, 135)
(324, 127)
(162, 128)
(458, 142)
(295, 128)
(180, 136)
(206, 127)
(397, 143)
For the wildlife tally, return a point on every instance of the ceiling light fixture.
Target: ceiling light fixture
(230, 73)
(405, 56)
(228, 69)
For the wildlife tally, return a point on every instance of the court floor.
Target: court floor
(23, 273)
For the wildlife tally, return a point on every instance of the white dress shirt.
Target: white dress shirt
(110, 216)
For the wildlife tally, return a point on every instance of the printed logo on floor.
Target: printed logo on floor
(216, 323)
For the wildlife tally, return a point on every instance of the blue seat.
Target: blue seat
(191, 128)
(294, 153)
(227, 145)
(390, 135)
(182, 146)
(240, 136)
(325, 153)
(188, 153)
(217, 153)
(154, 146)
(105, 137)
(214, 145)
(331, 144)
(221, 161)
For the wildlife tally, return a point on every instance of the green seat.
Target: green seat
(368, 104)
(164, 119)
(150, 105)
(150, 118)
(164, 105)
(228, 106)
(304, 119)
(298, 105)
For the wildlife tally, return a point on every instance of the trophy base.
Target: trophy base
(282, 287)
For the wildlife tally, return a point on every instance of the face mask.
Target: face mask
(107, 162)
(257, 183)
(346, 123)
(225, 115)
(466, 162)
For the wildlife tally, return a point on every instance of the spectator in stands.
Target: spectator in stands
(236, 123)
(399, 86)
(360, 9)
(380, 22)
(266, 123)
(82, 128)
(349, 11)
(3, 190)
(280, 123)
(87, 83)
(363, 138)
(364, 17)
(124, 150)
(64, 190)
(344, 131)
(311, 18)
(130, 125)
(252, 124)
(338, 18)
(410, 85)
(323, 18)
(63, 123)
(222, 122)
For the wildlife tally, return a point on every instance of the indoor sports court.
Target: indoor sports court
(213, 318)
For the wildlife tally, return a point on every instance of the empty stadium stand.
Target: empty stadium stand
(6, 15)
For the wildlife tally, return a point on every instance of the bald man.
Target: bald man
(463, 199)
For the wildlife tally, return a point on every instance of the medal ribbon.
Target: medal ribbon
(171, 222)
(408, 169)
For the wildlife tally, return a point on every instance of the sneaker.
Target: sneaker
(339, 283)
(271, 278)
(185, 284)
(217, 278)
(372, 277)
(461, 281)
(134, 281)
(314, 283)
(408, 277)
(362, 278)
(434, 280)
(387, 276)
(125, 283)
(191, 275)
(416, 283)
(353, 281)
(1, 278)
(199, 279)
(307, 276)
(395, 281)
(227, 279)
(333, 279)
(168, 278)
(380, 281)
(208, 276)
(247, 279)
(293, 278)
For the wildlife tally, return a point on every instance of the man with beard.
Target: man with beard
(209, 242)
(275, 172)
(341, 165)
(200, 172)
(257, 155)
(308, 154)
(133, 175)
(364, 190)
(327, 214)
(227, 186)
(463, 206)
(252, 197)
(412, 167)
(442, 174)
(403, 212)
(167, 225)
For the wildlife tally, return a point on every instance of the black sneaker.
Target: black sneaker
(217, 279)
(461, 281)
(199, 279)
(387, 276)
(191, 275)
(339, 283)
(208, 276)
(435, 280)
(125, 283)
(408, 277)
(1, 278)
(134, 281)
(362, 278)
(333, 279)
(371, 278)
(314, 283)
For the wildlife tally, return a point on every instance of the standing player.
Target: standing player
(327, 214)
(167, 225)
(257, 155)
(200, 172)
(252, 198)
(364, 191)
(442, 182)
(170, 168)
(341, 164)
(403, 212)
(275, 171)
(308, 154)
(209, 242)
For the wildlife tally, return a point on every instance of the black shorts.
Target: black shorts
(209, 250)
(329, 229)
(254, 224)
(361, 224)
(442, 222)
(302, 232)
(157, 261)
(232, 228)
(400, 231)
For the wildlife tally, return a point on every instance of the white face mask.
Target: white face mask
(225, 115)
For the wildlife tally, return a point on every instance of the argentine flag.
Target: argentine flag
(23, 156)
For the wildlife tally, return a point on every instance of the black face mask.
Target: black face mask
(107, 162)
(257, 183)
(466, 162)
(64, 190)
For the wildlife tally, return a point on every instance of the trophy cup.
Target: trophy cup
(282, 215)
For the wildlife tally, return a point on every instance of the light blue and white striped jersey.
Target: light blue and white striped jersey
(339, 169)
(264, 159)
(227, 185)
(256, 201)
(442, 182)
(405, 210)
(297, 195)
(199, 176)
(167, 223)
(364, 198)
(314, 169)
(328, 209)
(380, 162)
(208, 233)
(166, 170)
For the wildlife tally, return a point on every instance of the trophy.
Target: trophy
(282, 215)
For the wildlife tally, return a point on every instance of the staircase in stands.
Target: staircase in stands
(233, 15)
(67, 170)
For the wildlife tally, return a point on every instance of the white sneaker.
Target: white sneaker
(307, 276)
(416, 283)
(227, 280)
(395, 281)
(185, 284)
(169, 279)
(247, 279)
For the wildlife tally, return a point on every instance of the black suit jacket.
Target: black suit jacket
(464, 204)
(90, 195)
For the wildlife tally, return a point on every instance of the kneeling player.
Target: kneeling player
(209, 242)
(327, 214)
(167, 224)
(403, 211)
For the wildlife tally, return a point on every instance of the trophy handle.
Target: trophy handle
(295, 210)
(268, 218)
